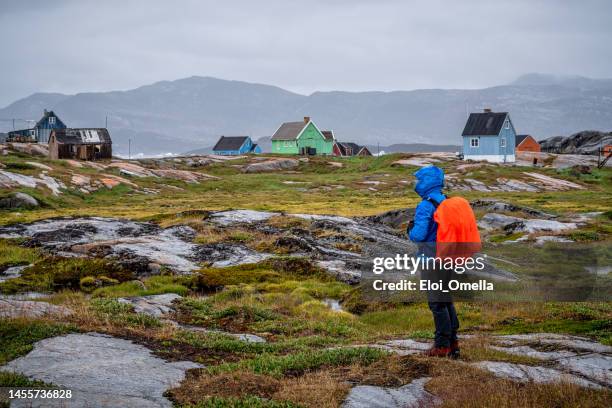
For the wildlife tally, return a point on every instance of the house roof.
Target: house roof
(230, 142)
(485, 123)
(328, 134)
(354, 147)
(289, 131)
(45, 116)
(519, 139)
(82, 136)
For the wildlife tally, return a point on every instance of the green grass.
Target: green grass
(11, 254)
(246, 402)
(154, 285)
(122, 314)
(299, 363)
(18, 336)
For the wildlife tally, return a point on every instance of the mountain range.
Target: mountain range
(191, 113)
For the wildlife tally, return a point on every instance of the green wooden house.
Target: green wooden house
(302, 138)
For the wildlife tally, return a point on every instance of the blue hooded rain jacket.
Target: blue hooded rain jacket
(430, 181)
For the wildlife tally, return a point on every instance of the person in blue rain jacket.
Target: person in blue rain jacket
(423, 228)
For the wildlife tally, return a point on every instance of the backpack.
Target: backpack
(457, 235)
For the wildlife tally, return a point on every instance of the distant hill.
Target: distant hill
(178, 116)
(585, 142)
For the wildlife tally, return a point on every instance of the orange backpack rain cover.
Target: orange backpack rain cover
(457, 235)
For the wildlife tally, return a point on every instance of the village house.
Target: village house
(303, 138)
(526, 143)
(346, 149)
(40, 132)
(489, 136)
(235, 145)
(80, 144)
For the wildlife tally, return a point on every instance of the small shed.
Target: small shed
(80, 144)
(527, 143)
(235, 145)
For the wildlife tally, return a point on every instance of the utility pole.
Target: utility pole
(129, 148)
(106, 122)
(378, 146)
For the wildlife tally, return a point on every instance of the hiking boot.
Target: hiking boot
(454, 350)
(438, 352)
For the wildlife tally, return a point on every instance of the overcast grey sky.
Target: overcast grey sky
(303, 46)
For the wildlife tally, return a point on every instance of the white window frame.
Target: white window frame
(507, 125)
(474, 145)
(502, 142)
(52, 120)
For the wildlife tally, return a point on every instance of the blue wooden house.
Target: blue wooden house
(489, 136)
(41, 131)
(235, 145)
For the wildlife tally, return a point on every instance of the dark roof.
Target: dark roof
(328, 134)
(230, 142)
(354, 147)
(485, 123)
(519, 139)
(45, 116)
(82, 136)
(289, 131)
(253, 147)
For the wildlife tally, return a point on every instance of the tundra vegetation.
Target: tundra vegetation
(313, 354)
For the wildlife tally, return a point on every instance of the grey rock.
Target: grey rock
(407, 396)
(510, 224)
(543, 239)
(12, 308)
(12, 272)
(240, 216)
(153, 305)
(101, 371)
(18, 200)
(525, 373)
(528, 351)
(562, 340)
(594, 366)
(271, 165)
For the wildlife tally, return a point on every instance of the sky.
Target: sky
(76, 46)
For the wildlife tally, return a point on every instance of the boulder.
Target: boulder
(270, 165)
(18, 200)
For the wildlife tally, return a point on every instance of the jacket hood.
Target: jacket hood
(430, 180)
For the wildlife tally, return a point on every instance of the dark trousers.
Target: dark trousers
(446, 322)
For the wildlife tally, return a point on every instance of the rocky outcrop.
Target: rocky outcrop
(510, 224)
(585, 142)
(270, 165)
(101, 371)
(13, 180)
(18, 200)
(33, 149)
(502, 206)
